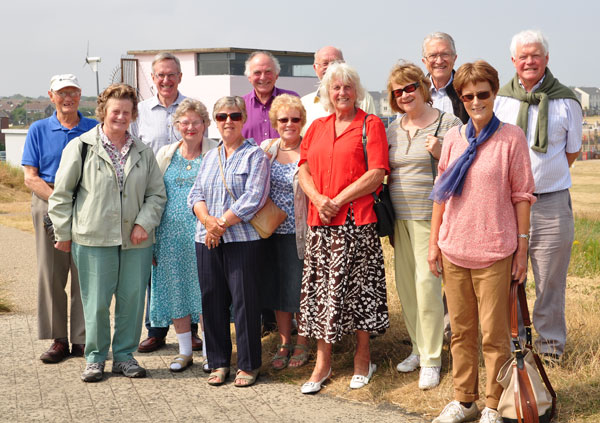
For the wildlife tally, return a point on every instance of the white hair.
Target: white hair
(439, 36)
(346, 73)
(529, 36)
(276, 64)
(166, 56)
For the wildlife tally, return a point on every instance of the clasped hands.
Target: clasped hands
(327, 208)
(214, 231)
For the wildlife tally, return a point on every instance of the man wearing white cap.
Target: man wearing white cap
(44, 144)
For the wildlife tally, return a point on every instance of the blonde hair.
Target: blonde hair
(286, 102)
(191, 105)
(407, 73)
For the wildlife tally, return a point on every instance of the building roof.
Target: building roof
(222, 50)
(590, 90)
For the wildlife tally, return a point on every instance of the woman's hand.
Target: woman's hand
(214, 228)
(63, 246)
(138, 235)
(326, 207)
(434, 146)
(434, 258)
(519, 264)
(211, 241)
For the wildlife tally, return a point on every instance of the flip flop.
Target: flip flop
(220, 374)
(251, 378)
(301, 358)
(184, 362)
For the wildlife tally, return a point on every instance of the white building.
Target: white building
(15, 143)
(589, 97)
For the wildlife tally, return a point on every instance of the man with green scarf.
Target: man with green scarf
(550, 115)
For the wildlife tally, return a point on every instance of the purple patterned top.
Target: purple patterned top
(118, 158)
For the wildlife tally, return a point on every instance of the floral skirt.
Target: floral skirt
(343, 282)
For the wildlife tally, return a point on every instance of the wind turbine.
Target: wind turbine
(93, 62)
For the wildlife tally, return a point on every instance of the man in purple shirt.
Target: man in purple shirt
(262, 70)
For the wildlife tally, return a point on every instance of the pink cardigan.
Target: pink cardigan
(480, 226)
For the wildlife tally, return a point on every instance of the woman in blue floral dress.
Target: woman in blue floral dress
(176, 295)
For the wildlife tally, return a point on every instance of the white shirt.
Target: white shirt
(315, 110)
(440, 97)
(565, 118)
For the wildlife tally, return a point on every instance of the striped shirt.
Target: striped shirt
(411, 177)
(247, 172)
(565, 118)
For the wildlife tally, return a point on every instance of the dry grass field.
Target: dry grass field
(577, 380)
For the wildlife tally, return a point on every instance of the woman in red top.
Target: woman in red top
(343, 283)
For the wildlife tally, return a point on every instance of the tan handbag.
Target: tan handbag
(528, 396)
(267, 219)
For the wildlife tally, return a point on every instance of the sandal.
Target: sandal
(283, 358)
(205, 367)
(184, 362)
(251, 378)
(301, 359)
(219, 375)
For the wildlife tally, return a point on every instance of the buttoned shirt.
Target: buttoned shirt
(314, 108)
(154, 124)
(117, 157)
(551, 169)
(335, 162)
(258, 124)
(247, 172)
(45, 141)
(440, 97)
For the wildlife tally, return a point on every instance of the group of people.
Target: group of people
(142, 201)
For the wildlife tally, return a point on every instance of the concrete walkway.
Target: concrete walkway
(33, 391)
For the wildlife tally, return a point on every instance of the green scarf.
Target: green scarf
(550, 89)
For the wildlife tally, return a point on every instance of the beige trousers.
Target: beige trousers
(420, 292)
(53, 271)
(478, 297)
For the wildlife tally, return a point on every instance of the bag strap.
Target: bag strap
(432, 159)
(84, 148)
(223, 175)
(364, 145)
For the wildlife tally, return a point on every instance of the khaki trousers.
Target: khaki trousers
(420, 292)
(478, 296)
(53, 271)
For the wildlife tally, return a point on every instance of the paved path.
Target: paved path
(33, 391)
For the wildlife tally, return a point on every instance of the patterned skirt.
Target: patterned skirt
(343, 282)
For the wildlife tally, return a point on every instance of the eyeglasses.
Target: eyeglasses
(434, 56)
(166, 75)
(222, 117)
(482, 95)
(65, 94)
(286, 120)
(186, 123)
(410, 88)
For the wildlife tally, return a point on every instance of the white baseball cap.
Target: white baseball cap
(58, 82)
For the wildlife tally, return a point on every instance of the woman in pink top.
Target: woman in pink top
(479, 237)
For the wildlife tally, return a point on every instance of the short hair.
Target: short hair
(406, 73)
(439, 36)
(529, 36)
(286, 101)
(276, 64)
(338, 49)
(166, 56)
(471, 73)
(117, 92)
(230, 101)
(345, 72)
(192, 105)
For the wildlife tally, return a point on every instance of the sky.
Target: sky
(42, 38)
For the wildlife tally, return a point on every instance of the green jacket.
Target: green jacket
(101, 216)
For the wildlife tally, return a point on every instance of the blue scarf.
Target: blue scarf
(452, 180)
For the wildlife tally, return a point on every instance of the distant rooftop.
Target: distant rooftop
(223, 50)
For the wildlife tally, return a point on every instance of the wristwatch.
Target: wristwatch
(526, 236)
(224, 221)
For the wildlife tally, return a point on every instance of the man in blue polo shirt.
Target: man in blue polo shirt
(44, 144)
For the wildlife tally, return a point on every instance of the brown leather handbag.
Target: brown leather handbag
(528, 396)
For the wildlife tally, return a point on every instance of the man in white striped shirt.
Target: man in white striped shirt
(551, 117)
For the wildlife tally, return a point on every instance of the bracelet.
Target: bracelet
(205, 219)
(225, 222)
(525, 236)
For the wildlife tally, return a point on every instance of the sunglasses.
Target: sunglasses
(286, 120)
(222, 117)
(483, 95)
(410, 88)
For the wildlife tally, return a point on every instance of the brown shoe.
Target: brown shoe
(196, 342)
(56, 353)
(151, 344)
(77, 350)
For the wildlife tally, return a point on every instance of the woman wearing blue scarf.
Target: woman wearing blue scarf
(479, 238)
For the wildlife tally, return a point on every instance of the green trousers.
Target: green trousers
(105, 272)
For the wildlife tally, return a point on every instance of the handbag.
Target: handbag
(267, 219)
(48, 225)
(528, 396)
(383, 202)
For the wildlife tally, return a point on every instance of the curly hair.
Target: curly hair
(118, 92)
(192, 105)
(406, 73)
(286, 102)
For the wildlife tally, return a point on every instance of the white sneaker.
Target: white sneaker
(454, 412)
(489, 415)
(429, 377)
(410, 364)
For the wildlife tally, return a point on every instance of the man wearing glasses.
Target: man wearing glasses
(550, 115)
(44, 144)
(439, 55)
(311, 102)
(155, 127)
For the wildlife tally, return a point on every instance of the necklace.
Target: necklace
(290, 148)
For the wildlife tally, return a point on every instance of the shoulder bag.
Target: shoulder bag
(268, 218)
(433, 159)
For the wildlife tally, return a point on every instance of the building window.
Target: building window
(234, 64)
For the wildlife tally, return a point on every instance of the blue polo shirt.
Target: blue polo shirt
(46, 140)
